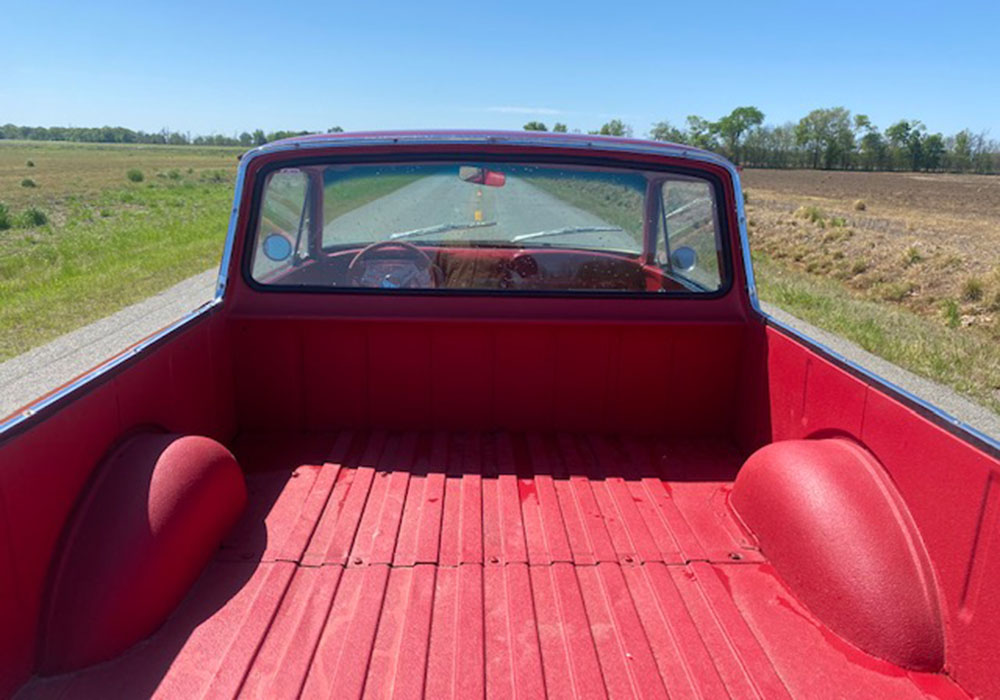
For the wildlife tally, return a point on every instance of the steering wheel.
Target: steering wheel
(425, 268)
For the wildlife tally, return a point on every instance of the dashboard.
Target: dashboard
(479, 268)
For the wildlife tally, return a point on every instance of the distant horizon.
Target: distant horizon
(637, 132)
(204, 69)
(640, 131)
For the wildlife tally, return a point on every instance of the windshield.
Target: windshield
(530, 200)
(485, 226)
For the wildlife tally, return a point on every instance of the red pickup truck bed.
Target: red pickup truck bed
(325, 485)
(454, 564)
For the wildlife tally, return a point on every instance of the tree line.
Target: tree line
(828, 139)
(120, 134)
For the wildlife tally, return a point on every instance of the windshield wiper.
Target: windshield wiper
(566, 231)
(693, 203)
(440, 228)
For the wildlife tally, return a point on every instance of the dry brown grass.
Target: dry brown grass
(916, 240)
(84, 171)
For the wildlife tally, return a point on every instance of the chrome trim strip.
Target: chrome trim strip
(227, 250)
(881, 382)
(741, 218)
(16, 419)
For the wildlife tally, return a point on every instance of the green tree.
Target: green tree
(259, 138)
(770, 147)
(899, 137)
(284, 134)
(734, 126)
(615, 127)
(335, 130)
(246, 138)
(961, 150)
(873, 150)
(827, 136)
(907, 139)
(871, 146)
(665, 131)
(701, 132)
(535, 126)
(933, 151)
(809, 134)
(559, 128)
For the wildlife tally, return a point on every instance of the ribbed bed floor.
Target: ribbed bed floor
(462, 565)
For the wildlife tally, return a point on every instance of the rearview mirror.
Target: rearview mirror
(481, 176)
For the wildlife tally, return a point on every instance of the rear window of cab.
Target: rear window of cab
(487, 227)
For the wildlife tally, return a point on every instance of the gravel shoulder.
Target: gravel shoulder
(47, 367)
(975, 416)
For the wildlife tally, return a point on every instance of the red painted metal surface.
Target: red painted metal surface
(949, 488)
(465, 564)
(146, 527)
(675, 379)
(836, 530)
(183, 386)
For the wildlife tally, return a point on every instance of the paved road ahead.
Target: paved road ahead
(517, 208)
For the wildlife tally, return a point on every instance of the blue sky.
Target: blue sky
(225, 68)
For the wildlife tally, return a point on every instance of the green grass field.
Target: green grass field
(86, 240)
(106, 241)
(966, 359)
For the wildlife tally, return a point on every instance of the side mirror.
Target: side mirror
(683, 259)
(277, 247)
(481, 176)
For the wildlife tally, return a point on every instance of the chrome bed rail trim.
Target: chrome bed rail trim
(938, 416)
(234, 214)
(15, 419)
